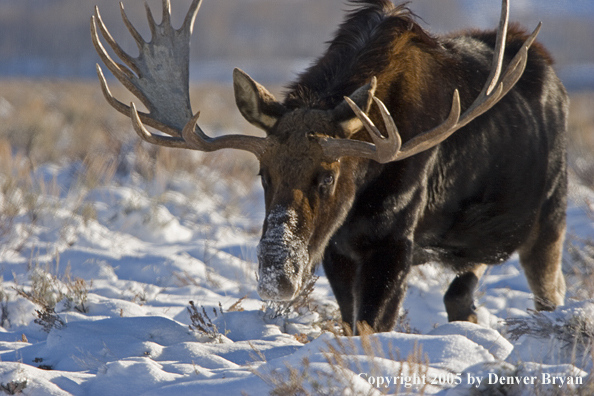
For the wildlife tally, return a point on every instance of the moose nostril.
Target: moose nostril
(275, 284)
(281, 290)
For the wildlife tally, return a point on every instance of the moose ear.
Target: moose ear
(256, 104)
(343, 114)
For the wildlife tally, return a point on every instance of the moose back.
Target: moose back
(394, 149)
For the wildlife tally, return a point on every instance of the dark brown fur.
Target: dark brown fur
(496, 186)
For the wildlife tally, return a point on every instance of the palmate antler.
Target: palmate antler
(159, 78)
(390, 148)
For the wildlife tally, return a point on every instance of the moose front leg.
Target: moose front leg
(381, 285)
(341, 272)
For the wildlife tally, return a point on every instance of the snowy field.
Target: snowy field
(97, 284)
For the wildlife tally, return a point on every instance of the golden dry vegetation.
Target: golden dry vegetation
(57, 121)
(581, 137)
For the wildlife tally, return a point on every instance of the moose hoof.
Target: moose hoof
(468, 315)
(459, 299)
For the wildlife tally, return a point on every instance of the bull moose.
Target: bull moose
(395, 148)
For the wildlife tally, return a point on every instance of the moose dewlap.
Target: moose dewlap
(397, 147)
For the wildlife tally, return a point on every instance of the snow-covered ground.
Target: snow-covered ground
(126, 258)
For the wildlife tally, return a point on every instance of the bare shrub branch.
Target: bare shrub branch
(14, 387)
(203, 324)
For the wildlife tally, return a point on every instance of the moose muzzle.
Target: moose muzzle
(282, 256)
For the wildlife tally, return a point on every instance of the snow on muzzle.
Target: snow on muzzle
(282, 257)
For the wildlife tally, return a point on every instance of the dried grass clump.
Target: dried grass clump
(14, 387)
(568, 331)
(47, 290)
(580, 264)
(344, 358)
(575, 330)
(203, 324)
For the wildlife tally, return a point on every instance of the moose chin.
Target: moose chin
(395, 148)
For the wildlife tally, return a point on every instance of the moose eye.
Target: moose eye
(326, 181)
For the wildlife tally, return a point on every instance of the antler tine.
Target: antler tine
(497, 63)
(518, 63)
(385, 148)
(116, 104)
(166, 19)
(117, 69)
(128, 60)
(151, 20)
(124, 75)
(137, 37)
(480, 105)
(388, 148)
(375, 134)
(434, 136)
(188, 24)
(166, 141)
(511, 76)
(493, 89)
